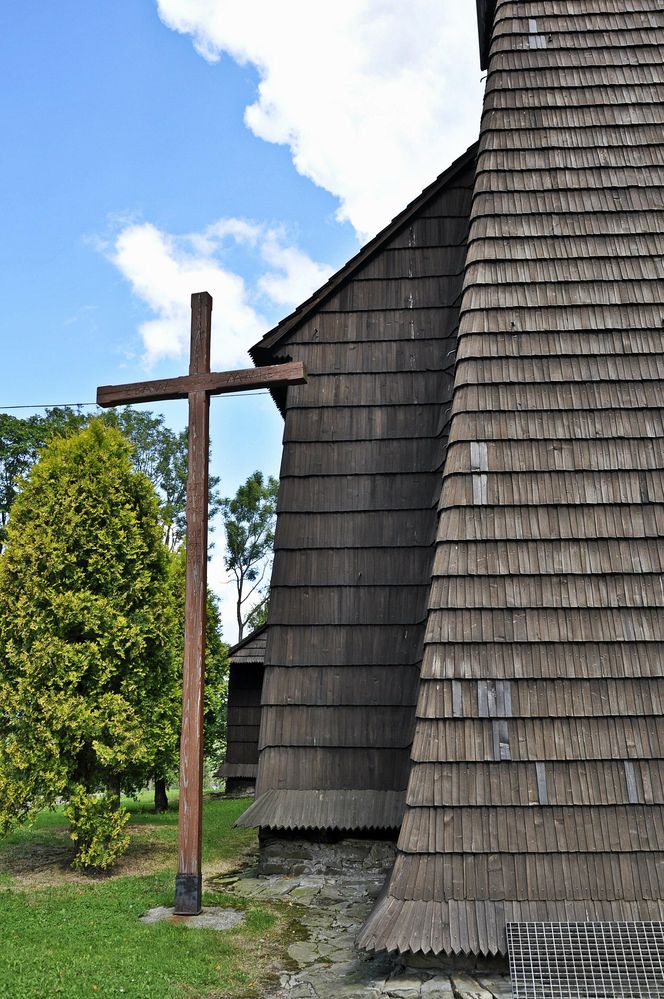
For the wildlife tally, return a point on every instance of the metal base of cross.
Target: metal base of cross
(188, 894)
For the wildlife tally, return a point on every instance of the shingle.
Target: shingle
(357, 512)
(537, 758)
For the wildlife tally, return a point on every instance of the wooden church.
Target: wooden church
(466, 631)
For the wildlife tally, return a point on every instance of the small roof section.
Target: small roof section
(251, 649)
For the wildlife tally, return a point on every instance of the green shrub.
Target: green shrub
(97, 824)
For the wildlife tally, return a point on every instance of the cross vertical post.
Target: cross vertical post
(188, 884)
(197, 387)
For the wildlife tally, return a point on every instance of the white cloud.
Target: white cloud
(373, 97)
(294, 275)
(163, 270)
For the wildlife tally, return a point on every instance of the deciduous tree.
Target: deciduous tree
(158, 452)
(19, 443)
(249, 518)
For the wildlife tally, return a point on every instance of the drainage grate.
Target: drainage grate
(586, 960)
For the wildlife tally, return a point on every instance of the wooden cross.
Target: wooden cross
(197, 387)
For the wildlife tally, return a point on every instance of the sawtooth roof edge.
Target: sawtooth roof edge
(283, 809)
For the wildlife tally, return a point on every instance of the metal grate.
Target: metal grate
(586, 960)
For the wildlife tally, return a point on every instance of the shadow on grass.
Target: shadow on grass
(44, 858)
(41, 855)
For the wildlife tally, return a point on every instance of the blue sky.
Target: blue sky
(152, 148)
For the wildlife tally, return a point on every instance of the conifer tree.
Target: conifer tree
(88, 681)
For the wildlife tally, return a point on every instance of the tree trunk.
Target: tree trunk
(160, 796)
(238, 613)
(114, 789)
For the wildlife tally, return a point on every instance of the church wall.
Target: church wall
(364, 444)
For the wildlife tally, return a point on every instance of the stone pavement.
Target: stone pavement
(335, 886)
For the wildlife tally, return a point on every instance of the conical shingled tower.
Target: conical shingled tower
(537, 787)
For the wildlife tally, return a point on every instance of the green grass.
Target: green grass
(76, 937)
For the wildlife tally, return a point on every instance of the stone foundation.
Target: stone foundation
(239, 787)
(295, 856)
(335, 886)
(473, 965)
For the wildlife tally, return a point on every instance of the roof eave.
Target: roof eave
(486, 10)
(247, 640)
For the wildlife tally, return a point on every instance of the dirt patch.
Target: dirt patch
(44, 861)
(216, 873)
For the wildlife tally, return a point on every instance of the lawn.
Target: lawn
(64, 933)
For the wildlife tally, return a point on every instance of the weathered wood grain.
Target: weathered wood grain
(197, 387)
(212, 383)
(357, 512)
(538, 759)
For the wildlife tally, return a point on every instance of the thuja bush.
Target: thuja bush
(98, 826)
(88, 677)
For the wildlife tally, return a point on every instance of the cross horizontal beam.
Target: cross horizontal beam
(214, 383)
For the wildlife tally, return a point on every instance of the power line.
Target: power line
(80, 405)
(49, 405)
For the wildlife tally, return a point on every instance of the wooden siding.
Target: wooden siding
(245, 683)
(364, 446)
(538, 759)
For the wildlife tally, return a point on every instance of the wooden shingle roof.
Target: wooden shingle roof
(364, 444)
(536, 784)
(251, 649)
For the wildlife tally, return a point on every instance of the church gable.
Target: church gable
(364, 444)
